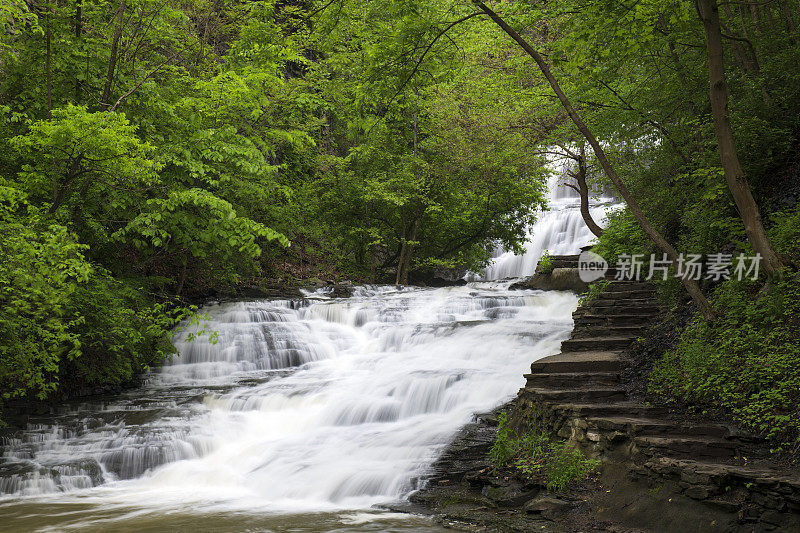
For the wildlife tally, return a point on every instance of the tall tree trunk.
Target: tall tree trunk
(182, 277)
(406, 265)
(748, 64)
(417, 214)
(112, 60)
(787, 15)
(683, 77)
(407, 251)
(767, 11)
(756, 16)
(691, 286)
(583, 190)
(746, 33)
(78, 33)
(734, 175)
(48, 69)
(401, 259)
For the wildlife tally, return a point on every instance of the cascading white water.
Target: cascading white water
(299, 408)
(560, 230)
(301, 412)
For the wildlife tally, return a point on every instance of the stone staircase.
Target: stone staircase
(579, 394)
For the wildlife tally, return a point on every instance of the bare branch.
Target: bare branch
(147, 76)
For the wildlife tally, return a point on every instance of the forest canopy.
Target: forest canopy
(152, 153)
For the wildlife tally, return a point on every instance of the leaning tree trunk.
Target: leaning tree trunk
(691, 286)
(583, 190)
(734, 175)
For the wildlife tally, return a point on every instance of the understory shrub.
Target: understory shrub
(746, 362)
(622, 236)
(534, 455)
(66, 323)
(545, 263)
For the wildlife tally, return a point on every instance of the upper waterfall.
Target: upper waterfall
(560, 230)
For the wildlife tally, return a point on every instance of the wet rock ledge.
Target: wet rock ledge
(465, 493)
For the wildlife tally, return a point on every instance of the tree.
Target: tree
(734, 175)
(691, 286)
(195, 224)
(430, 170)
(579, 175)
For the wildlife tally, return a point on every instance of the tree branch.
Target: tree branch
(147, 76)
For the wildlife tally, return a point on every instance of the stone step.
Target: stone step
(563, 261)
(686, 446)
(598, 361)
(657, 427)
(615, 276)
(626, 285)
(627, 408)
(596, 344)
(614, 317)
(766, 499)
(584, 331)
(565, 380)
(588, 394)
(604, 302)
(637, 294)
(704, 472)
(607, 319)
(621, 307)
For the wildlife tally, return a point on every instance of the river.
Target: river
(305, 415)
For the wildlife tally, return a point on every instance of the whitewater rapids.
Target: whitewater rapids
(301, 407)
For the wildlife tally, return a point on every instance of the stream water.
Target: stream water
(304, 415)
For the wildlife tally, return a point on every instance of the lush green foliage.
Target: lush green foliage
(747, 361)
(638, 74)
(152, 151)
(533, 454)
(64, 321)
(545, 265)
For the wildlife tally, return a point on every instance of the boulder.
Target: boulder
(509, 494)
(560, 279)
(547, 506)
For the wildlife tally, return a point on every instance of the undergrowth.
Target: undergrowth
(535, 456)
(746, 362)
(545, 263)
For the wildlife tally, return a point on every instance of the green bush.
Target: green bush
(65, 323)
(535, 456)
(785, 232)
(746, 362)
(622, 236)
(545, 263)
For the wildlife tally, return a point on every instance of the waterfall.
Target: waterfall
(560, 230)
(296, 413)
(297, 408)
